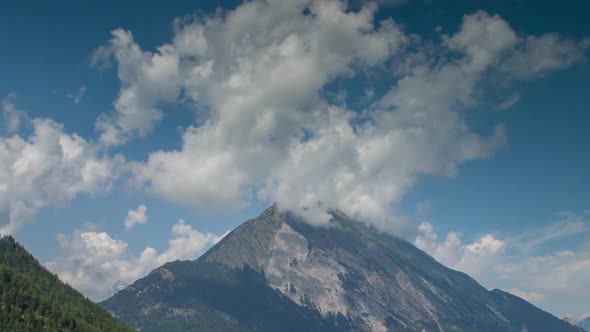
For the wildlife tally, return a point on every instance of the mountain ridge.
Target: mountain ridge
(346, 277)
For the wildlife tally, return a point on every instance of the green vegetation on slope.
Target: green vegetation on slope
(33, 299)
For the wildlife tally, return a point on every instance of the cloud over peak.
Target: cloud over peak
(266, 129)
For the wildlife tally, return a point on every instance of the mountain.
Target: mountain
(33, 299)
(584, 323)
(570, 320)
(119, 286)
(278, 273)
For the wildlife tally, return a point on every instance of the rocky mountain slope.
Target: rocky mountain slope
(585, 323)
(33, 299)
(278, 273)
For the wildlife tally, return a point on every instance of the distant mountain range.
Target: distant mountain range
(33, 299)
(278, 273)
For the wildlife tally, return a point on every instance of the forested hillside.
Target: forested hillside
(33, 299)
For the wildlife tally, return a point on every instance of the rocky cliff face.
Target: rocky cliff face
(278, 273)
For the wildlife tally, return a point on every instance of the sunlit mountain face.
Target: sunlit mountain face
(277, 272)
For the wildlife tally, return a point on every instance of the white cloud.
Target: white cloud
(137, 216)
(483, 38)
(489, 39)
(480, 255)
(536, 55)
(509, 102)
(474, 259)
(569, 225)
(532, 270)
(13, 117)
(265, 128)
(147, 79)
(563, 271)
(48, 167)
(261, 93)
(93, 261)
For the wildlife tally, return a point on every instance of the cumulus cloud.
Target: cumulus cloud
(489, 39)
(266, 128)
(46, 168)
(262, 94)
(147, 79)
(92, 261)
(534, 274)
(474, 258)
(137, 216)
(484, 39)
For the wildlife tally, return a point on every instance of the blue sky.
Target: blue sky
(401, 114)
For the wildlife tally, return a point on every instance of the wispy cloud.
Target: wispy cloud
(12, 115)
(539, 264)
(78, 95)
(511, 101)
(569, 225)
(135, 217)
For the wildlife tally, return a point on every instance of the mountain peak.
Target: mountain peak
(277, 272)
